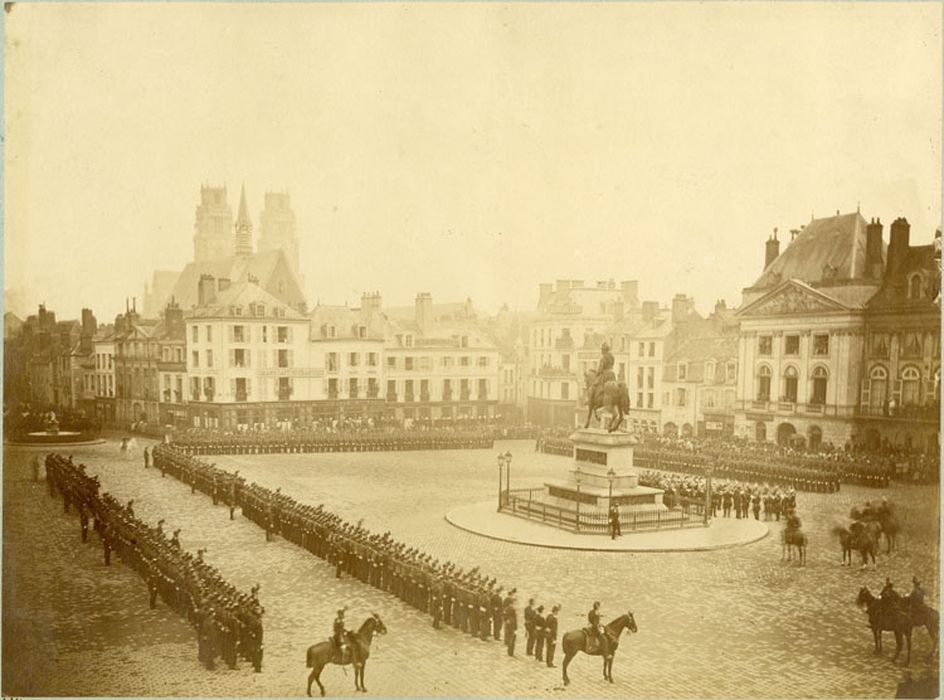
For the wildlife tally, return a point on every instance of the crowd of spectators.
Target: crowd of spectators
(228, 623)
(23, 420)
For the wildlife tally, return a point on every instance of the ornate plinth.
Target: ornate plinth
(603, 474)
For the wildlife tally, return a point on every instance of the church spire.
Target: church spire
(243, 227)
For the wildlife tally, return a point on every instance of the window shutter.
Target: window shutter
(290, 329)
(232, 387)
(865, 393)
(248, 354)
(928, 393)
(291, 356)
(247, 333)
(248, 388)
(232, 357)
(229, 333)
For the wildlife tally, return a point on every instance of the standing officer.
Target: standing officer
(529, 627)
(147, 458)
(511, 625)
(550, 625)
(495, 603)
(614, 522)
(435, 600)
(539, 626)
(84, 520)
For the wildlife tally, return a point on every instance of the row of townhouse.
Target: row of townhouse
(243, 358)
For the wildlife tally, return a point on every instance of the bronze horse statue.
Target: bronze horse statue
(578, 640)
(612, 396)
(358, 650)
(887, 616)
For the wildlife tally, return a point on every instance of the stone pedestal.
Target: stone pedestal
(603, 474)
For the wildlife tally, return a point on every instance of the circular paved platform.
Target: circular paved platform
(482, 519)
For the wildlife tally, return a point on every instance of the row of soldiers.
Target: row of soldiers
(467, 600)
(733, 466)
(307, 441)
(727, 496)
(228, 623)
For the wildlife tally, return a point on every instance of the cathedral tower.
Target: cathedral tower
(277, 227)
(212, 237)
(243, 227)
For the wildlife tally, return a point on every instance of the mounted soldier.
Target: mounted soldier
(595, 630)
(340, 634)
(603, 391)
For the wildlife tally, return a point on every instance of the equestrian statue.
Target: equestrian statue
(603, 391)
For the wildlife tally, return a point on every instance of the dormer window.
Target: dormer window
(362, 331)
(331, 331)
(239, 311)
(682, 371)
(408, 341)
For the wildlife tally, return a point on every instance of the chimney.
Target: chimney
(89, 325)
(682, 306)
(629, 289)
(206, 292)
(720, 306)
(174, 320)
(772, 250)
(898, 245)
(873, 249)
(424, 310)
(650, 310)
(545, 290)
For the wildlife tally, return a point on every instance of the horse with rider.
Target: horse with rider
(893, 612)
(604, 391)
(343, 648)
(596, 640)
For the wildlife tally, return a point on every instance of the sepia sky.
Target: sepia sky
(465, 150)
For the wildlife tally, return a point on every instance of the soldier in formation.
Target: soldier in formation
(228, 623)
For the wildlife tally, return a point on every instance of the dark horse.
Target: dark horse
(890, 527)
(862, 537)
(324, 653)
(612, 396)
(577, 640)
(887, 616)
(790, 539)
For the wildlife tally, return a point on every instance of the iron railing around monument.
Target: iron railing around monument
(529, 504)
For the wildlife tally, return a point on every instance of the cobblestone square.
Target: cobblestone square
(728, 623)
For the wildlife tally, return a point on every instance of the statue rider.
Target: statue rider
(604, 371)
(596, 628)
(340, 633)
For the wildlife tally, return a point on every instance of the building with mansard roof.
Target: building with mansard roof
(803, 341)
(439, 368)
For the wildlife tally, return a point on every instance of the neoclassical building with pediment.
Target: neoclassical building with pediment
(810, 328)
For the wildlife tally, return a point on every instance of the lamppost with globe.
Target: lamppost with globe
(507, 476)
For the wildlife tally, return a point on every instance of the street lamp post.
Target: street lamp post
(611, 476)
(709, 472)
(577, 475)
(501, 465)
(507, 475)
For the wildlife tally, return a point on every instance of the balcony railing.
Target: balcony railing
(814, 408)
(373, 392)
(447, 396)
(786, 406)
(464, 396)
(424, 396)
(760, 404)
(922, 413)
(332, 393)
(241, 396)
(408, 397)
(285, 394)
(391, 396)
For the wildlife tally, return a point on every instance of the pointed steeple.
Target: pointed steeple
(243, 227)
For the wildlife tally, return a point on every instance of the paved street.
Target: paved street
(728, 623)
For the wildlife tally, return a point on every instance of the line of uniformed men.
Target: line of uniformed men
(228, 623)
